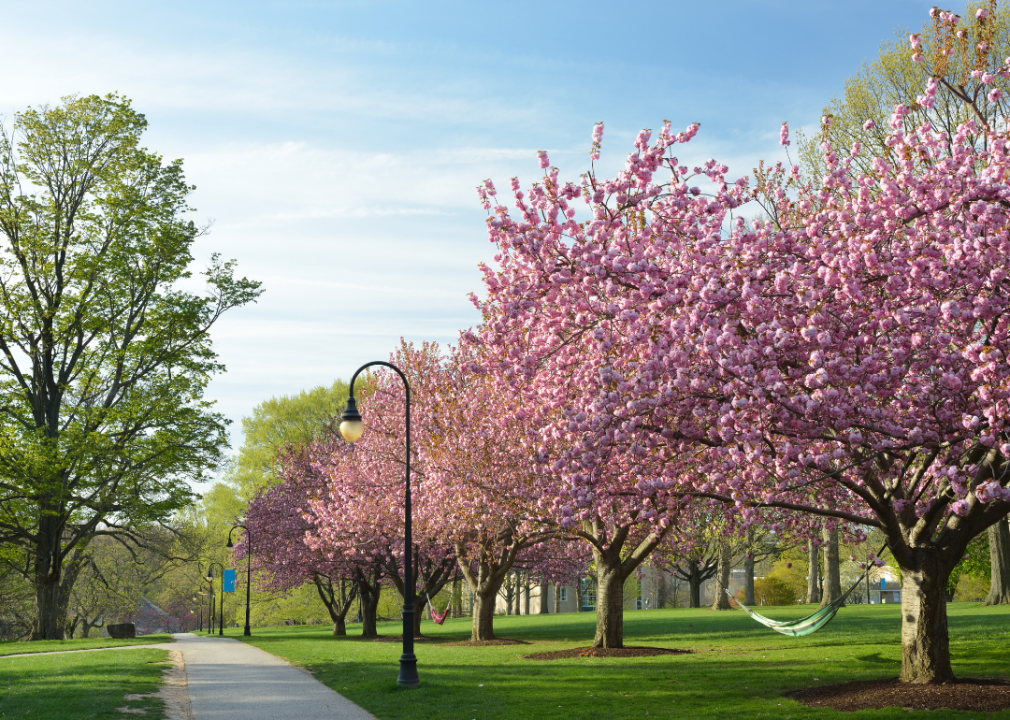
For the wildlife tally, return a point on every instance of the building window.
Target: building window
(638, 603)
(564, 594)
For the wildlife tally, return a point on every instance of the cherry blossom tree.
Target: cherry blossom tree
(282, 558)
(481, 488)
(844, 354)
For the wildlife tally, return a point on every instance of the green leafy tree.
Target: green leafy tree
(895, 77)
(275, 423)
(104, 359)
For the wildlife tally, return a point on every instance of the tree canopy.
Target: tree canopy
(104, 360)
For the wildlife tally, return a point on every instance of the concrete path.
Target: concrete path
(229, 680)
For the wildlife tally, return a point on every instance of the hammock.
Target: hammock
(807, 625)
(439, 618)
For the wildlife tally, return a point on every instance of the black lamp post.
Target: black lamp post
(210, 577)
(351, 428)
(248, 572)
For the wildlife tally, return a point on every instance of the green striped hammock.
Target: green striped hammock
(804, 626)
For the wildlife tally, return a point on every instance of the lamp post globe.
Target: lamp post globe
(351, 426)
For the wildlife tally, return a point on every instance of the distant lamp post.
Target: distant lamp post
(248, 571)
(351, 428)
(210, 579)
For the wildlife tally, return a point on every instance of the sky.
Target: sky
(336, 146)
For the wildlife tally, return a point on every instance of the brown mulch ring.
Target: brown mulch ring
(591, 652)
(485, 643)
(979, 695)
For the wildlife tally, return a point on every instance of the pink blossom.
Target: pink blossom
(960, 508)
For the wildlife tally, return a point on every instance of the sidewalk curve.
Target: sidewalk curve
(229, 680)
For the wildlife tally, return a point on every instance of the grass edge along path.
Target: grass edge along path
(46, 646)
(74, 686)
(737, 669)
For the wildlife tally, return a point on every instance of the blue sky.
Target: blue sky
(336, 145)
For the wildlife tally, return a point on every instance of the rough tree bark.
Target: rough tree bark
(557, 598)
(832, 573)
(485, 579)
(611, 572)
(544, 596)
(748, 570)
(337, 602)
(748, 579)
(721, 600)
(369, 587)
(925, 650)
(694, 584)
(999, 557)
(813, 573)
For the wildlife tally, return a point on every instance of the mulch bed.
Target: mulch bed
(973, 694)
(591, 652)
(485, 643)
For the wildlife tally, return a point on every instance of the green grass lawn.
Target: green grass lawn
(40, 646)
(738, 669)
(80, 686)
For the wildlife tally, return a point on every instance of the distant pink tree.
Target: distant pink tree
(278, 525)
(360, 511)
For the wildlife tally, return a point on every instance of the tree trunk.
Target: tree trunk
(609, 601)
(748, 580)
(832, 574)
(721, 601)
(925, 650)
(50, 602)
(368, 594)
(336, 606)
(557, 598)
(694, 584)
(544, 596)
(457, 598)
(999, 557)
(526, 593)
(813, 594)
(483, 616)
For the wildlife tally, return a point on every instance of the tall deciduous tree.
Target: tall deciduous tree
(103, 358)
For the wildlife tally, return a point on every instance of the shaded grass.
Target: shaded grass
(80, 686)
(41, 646)
(738, 670)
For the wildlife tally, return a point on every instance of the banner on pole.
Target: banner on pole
(229, 581)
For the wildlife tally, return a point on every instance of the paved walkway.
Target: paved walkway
(229, 680)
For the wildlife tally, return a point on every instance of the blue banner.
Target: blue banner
(229, 581)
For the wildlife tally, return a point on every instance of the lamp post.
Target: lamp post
(248, 571)
(351, 428)
(210, 578)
